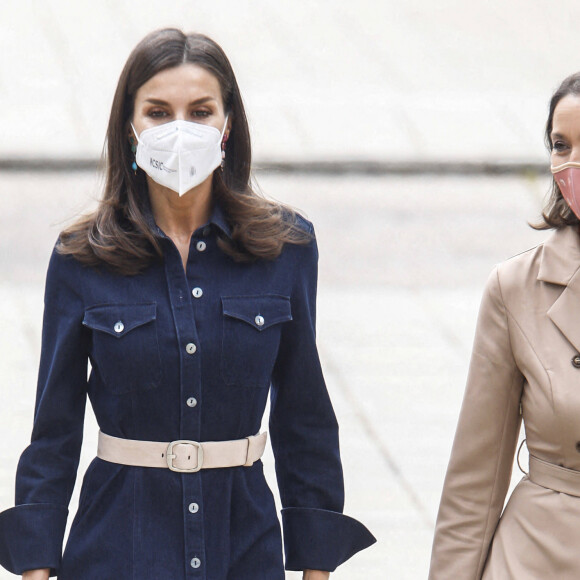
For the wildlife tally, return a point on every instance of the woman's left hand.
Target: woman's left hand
(315, 575)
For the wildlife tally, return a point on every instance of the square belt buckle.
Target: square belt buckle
(170, 456)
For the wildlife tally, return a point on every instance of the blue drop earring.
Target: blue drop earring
(133, 150)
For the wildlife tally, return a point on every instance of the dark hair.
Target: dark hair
(118, 232)
(557, 213)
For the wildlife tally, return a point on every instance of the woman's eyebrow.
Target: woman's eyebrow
(199, 101)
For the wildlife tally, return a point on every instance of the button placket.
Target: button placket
(184, 316)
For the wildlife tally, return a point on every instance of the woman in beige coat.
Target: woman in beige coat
(525, 365)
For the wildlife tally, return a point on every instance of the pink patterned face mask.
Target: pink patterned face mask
(567, 176)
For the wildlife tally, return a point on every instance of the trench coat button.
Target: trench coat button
(190, 348)
(259, 320)
(191, 402)
(576, 361)
(197, 292)
(193, 508)
(119, 327)
(201, 246)
(195, 562)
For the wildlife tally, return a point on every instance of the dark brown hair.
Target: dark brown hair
(557, 213)
(118, 233)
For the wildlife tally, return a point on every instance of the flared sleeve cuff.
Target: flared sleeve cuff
(317, 539)
(31, 537)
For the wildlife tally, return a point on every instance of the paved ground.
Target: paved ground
(323, 79)
(403, 262)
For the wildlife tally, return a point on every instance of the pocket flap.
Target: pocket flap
(261, 311)
(119, 319)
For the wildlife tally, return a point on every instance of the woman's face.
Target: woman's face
(187, 93)
(565, 135)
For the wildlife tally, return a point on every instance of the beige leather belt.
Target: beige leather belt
(183, 456)
(554, 476)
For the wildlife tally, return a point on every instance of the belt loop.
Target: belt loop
(249, 462)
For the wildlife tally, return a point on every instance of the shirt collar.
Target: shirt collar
(217, 218)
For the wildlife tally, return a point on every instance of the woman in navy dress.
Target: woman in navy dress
(193, 298)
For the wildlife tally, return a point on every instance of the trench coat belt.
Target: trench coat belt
(183, 456)
(554, 476)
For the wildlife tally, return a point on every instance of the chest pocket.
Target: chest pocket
(251, 336)
(125, 346)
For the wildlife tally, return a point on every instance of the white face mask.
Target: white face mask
(179, 154)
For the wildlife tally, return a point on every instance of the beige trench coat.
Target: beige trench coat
(525, 349)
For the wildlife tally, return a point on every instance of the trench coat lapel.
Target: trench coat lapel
(560, 265)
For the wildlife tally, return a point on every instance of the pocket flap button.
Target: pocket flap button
(259, 320)
(119, 327)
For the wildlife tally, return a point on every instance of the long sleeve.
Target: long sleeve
(304, 436)
(481, 460)
(31, 533)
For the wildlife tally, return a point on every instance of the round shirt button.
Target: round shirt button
(259, 320)
(197, 292)
(195, 562)
(190, 348)
(201, 246)
(193, 508)
(576, 361)
(119, 327)
(191, 402)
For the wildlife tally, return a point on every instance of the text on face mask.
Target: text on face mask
(160, 165)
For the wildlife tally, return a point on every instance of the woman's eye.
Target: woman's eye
(201, 114)
(156, 113)
(559, 146)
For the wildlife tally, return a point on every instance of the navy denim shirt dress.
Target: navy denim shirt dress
(188, 361)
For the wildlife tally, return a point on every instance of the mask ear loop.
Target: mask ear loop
(135, 132)
(133, 139)
(224, 139)
(225, 127)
